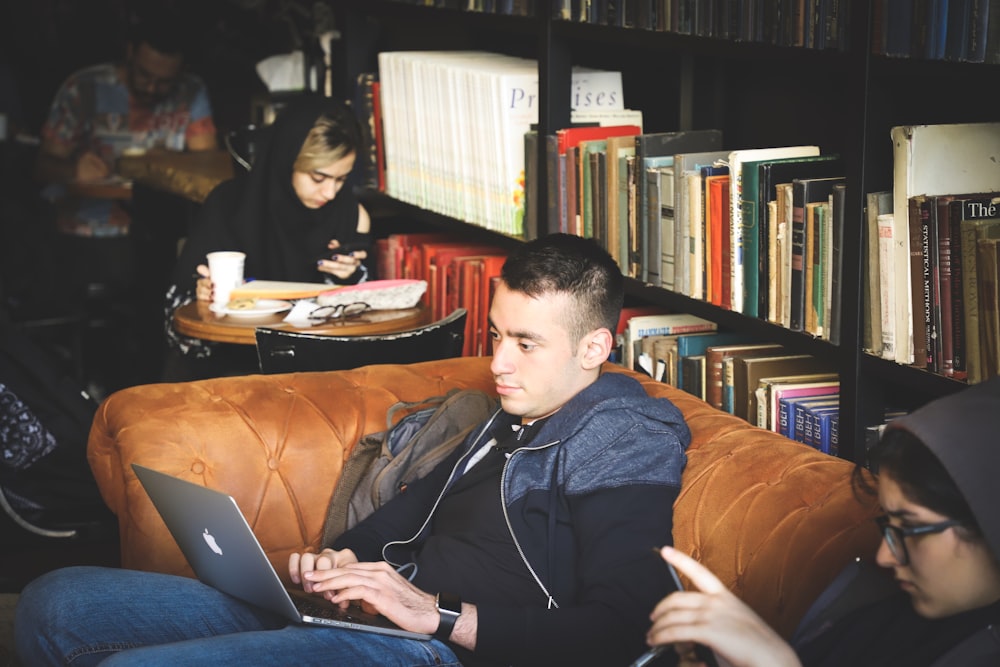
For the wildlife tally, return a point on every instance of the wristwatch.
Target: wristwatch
(449, 607)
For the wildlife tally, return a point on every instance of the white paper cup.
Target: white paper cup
(225, 269)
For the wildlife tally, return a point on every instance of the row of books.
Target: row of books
(955, 30)
(506, 7)
(953, 269)
(929, 286)
(758, 231)
(813, 25)
(453, 126)
(793, 394)
(459, 274)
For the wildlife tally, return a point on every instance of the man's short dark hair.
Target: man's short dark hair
(571, 265)
(162, 29)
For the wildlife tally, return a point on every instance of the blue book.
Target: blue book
(814, 430)
(827, 424)
(802, 408)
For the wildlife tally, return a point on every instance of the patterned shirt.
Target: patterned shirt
(94, 111)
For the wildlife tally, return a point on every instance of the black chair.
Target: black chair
(287, 352)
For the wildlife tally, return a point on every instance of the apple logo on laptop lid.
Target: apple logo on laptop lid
(212, 544)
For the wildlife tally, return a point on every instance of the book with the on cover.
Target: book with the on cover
(935, 160)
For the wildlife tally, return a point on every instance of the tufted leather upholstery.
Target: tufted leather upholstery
(774, 519)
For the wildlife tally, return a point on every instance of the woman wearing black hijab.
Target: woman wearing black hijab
(937, 483)
(289, 213)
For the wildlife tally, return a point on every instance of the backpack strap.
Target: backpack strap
(406, 450)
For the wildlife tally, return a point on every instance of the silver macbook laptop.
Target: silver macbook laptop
(217, 541)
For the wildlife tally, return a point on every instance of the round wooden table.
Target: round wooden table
(198, 321)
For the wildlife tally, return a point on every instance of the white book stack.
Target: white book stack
(454, 125)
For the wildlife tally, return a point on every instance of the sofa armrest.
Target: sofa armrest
(276, 443)
(774, 519)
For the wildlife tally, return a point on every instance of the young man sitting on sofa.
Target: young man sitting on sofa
(537, 531)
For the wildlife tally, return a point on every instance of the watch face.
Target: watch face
(449, 602)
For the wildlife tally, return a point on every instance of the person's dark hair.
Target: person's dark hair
(574, 266)
(162, 29)
(920, 475)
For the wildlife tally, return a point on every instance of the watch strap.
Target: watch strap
(449, 609)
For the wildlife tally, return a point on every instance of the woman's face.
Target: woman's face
(318, 187)
(946, 574)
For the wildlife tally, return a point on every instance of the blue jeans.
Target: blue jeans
(90, 615)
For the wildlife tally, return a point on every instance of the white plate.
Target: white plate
(262, 308)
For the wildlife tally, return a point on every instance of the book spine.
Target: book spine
(989, 312)
(834, 436)
(887, 283)
(713, 385)
(932, 280)
(946, 308)
(920, 300)
(957, 319)
(837, 263)
(783, 416)
(798, 423)
(797, 285)
(652, 230)
(668, 236)
(728, 385)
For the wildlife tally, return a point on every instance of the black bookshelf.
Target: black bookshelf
(758, 94)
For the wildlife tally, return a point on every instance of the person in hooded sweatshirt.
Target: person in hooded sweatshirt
(529, 545)
(938, 477)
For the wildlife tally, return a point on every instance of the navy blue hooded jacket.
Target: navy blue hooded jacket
(586, 502)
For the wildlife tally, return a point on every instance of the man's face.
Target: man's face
(537, 368)
(152, 75)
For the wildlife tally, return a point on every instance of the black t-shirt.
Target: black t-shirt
(470, 552)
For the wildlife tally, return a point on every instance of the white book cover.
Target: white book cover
(736, 160)
(696, 233)
(773, 261)
(454, 125)
(668, 256)
(959, 158)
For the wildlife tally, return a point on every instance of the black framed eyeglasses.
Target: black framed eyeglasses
(322, 314)
(895, 536)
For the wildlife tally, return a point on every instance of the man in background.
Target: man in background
(101, 112)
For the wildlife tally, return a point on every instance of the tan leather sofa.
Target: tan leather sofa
(774, 519)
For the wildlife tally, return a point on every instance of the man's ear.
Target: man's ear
(596, 348)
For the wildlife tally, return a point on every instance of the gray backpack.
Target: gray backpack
(382, 464)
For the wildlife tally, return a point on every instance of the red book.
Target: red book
(436, 257)
(404, 252)
(572, 136)
(716, 229)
